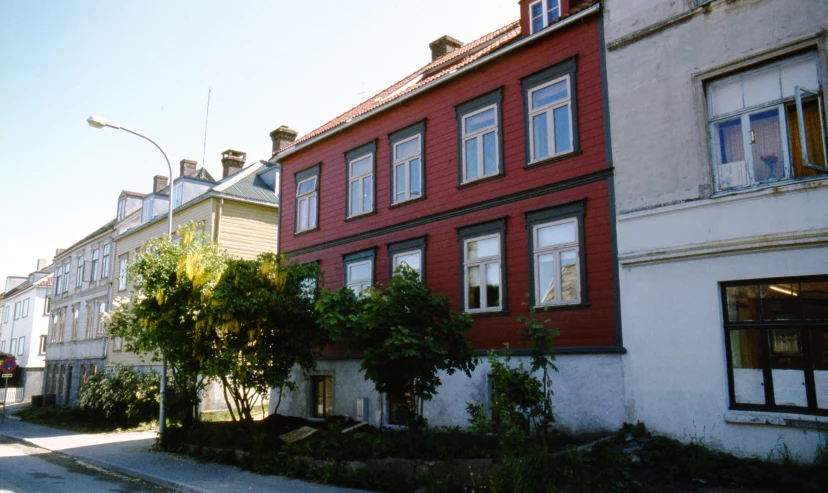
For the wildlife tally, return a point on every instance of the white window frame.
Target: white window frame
(13, 347)
(178, 194)
(406, 163)
(478, 134)
(79, 275)
(25, 308)
(122, 273)
(67, 268)
(545, 9)
(93, 275)
(556, 250)
(146, 211)
(744, 114)
(360, 179)
(101, 311)
(310, 198)
(483, 262)
(17, 311)
(359, 286)
(2, 346)
(6, 314)
(21, 345)
(549, 109)
(418, 251)
(105, 261)
(121, 209)
(42, 347)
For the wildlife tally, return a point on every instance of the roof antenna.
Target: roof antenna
(206, 118)
(362, 93)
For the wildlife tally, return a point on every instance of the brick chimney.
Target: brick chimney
(159, 182)
(188, 167)
(282, 137)
(232, 162)
(441, 46)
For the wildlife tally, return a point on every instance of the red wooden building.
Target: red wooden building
(488, 170)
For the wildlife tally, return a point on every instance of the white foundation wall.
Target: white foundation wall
(589, 395)
(676, 365)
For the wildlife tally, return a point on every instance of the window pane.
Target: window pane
(411, 259)
(569, 275)
(483, 248)
(562, 135)
(312, 212)
(399, 178)
(742, 303)
(556, 234)
(726, 96)
(414, 177)
(407, 149)
(493, 284)
(819, 354)
(787, 368)
(731, 146)
(303, 214)
(546, 278)
(361, 167)
(354, 197)
(480, 121)
(359, 272)
(367, 193)
(767, 150)
(471, 159)
(553, 12)
(489, 154)
(814, 296)
(549, 94)
(473, 274)
(540, 136)
(780, 302)
(761, 87)
(802, 73)
(748, 380)
(307, 186)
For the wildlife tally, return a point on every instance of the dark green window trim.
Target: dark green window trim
(300, 176)
(407, 246)
(395, 137)
(367, 148)
(494, 97)
(359, 256)
(529, 82)
(560, 212)
(482, 229)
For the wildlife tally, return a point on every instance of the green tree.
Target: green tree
(121, 394)
(407, 335)
(262, 323)
(173, 282)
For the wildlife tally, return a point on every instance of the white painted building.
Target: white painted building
(24, 317)
(722, 234)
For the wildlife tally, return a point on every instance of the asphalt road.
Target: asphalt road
(28, 469)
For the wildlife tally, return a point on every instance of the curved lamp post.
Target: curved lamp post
(98, 122)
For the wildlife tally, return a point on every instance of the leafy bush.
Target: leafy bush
(122, 395)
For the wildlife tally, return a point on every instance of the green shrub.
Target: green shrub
(121, 395)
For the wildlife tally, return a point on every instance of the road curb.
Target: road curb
(109, 466)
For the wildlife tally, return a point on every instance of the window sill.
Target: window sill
(360, 216)
(766, 418)
(397, 205)
(485, 179)
(789, 185)
(553, 159)
(488, 314)
(550, 308)
(305, 231)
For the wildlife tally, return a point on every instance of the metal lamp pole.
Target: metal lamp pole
(98, 122)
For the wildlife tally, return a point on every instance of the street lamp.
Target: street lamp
(98, 122)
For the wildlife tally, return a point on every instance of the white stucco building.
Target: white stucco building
(722, 235)
(24, 318)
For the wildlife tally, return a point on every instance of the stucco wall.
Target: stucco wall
(588, 393)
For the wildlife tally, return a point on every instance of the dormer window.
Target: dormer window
(178, 194)
(121, 208)
(542, 13)
(146, 212)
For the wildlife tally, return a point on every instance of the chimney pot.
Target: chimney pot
(159, 182)
(282, 137)
(188, 167)
(232, 162)
(441, 46)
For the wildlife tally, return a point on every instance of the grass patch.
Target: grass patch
(75, 419)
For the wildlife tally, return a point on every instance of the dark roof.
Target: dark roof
(252, 186)
(436, 70)
(109, 225)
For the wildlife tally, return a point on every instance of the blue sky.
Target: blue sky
(148, 66)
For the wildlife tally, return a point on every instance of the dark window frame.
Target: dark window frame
(407, 246)
(494, 97)
(763, 328)
(473, 231)
(530, 82)
(301, 176)
(314, 379)
(367, 148)
(394, 138)
(575, 209)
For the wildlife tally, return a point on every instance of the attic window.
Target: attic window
(542, 13)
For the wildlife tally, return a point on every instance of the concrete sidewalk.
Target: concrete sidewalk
(129, 454)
